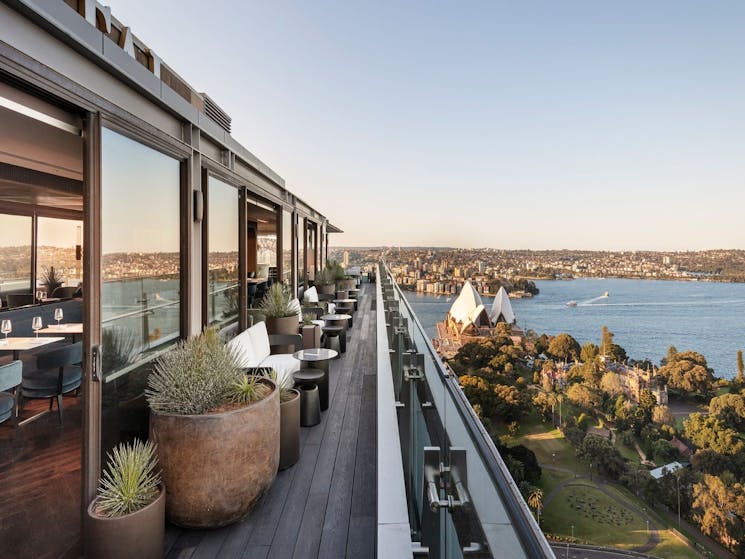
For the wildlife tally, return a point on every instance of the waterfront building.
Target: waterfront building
(468, 320)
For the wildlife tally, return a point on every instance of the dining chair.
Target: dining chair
(58, 371)
(65, 292)
(10, 379)
(20, 299)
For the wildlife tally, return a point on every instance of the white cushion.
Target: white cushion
(320, 323)
(284, 363)
(242, 347)
(332, 308)
(259, 341)
(295, 306)
(311, 295)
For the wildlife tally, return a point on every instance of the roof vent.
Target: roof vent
(216, 113)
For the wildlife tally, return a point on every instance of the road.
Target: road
(582, 553)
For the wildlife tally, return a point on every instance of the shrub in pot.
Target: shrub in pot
(325, 282)
(127, 517)
(289, 413)
(280, 312)
(216, 430)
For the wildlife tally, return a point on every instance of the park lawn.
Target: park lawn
(629, 454)
(670, 547)
(551, 478)
(597, 519)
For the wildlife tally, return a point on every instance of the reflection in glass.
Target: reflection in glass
(57, 245)
(222, 258)
(15, 254)
(301, 251)
(311, 248)
(140, 294)
(286, 248)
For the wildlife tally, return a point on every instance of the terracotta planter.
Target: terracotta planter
(215, 466)
(328, 289)
(139, 534)
(289, 436)
(311, 336)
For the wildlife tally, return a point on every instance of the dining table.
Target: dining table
(17, 344)
(72, 329)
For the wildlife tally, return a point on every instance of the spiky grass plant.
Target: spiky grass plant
(249, 389)
(308, 318)
(284, 385)
(324, 277)
(276, 302)
(130, 480)
(196, 377)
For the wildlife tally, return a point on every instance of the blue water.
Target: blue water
(646, 316)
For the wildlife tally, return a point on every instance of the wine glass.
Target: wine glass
(36, 325)
(6, 327)
(58, 315)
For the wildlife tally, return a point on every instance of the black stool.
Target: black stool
(337, 332)
(314, 388)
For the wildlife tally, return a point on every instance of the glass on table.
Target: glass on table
(58, 315)
(36, 325)
(6, 327)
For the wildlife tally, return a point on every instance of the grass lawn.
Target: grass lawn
(597, 518)
(550, 479)
(670, 547)
(629, 454)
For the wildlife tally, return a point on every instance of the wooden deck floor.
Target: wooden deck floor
(325, 505)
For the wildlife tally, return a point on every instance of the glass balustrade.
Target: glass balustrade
(460, 498)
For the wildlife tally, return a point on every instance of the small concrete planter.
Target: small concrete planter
(139, 534)
(289, 437)
(327, 289)
(282, 325)
(215, 466)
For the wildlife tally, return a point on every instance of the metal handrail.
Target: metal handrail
(529, 534)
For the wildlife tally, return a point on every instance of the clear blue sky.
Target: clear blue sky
(522, 124)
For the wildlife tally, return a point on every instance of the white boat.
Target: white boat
(572, 304)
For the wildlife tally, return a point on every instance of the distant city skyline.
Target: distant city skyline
(541, 125)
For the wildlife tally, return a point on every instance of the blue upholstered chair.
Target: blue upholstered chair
(58, 372)
(10, 378)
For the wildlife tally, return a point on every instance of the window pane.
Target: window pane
(15, 255)
(222, 258)
(57, 246)
(301, 251)
(140, 298)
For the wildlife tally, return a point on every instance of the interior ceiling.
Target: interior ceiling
(266, 220)
(19, 185)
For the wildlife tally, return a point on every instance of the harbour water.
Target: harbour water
(646, 316)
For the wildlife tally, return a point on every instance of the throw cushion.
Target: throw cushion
(311, 295)
(295, 305)
(259, 341)
(242, 348)
(284, 363)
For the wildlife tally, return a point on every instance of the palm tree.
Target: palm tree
(535, 500)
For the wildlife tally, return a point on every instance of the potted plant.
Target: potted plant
(50, 280)
(281, 315)
(311, 332)
(217, 432)
(289, 420)
(325, 282)
(127, 517)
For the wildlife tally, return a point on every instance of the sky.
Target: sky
(530, 124)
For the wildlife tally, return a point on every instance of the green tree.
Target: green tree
(611, 384)
(589, 352)
(672, 351)
(535, 501)
(688, 371)
(606, 339)
(719, 509)
(564, 347)
(730, 408)
(662, 415)
(740, 367)
(708, 432)
(600, 452)
(584, 396)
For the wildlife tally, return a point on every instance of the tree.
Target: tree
(662, 415)
(589, 352)
(730, 408)
(564, 347)
(611, 384)
(601, 452)
(740, 367)
(708, 432)
(584, 396)
(672, 351)
(535, 501)
(606, 339)
(509, 402)
(530, 468)
(688, 371)
(616, 353)
(719, 509)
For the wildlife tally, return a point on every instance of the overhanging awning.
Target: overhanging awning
(332, 229)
